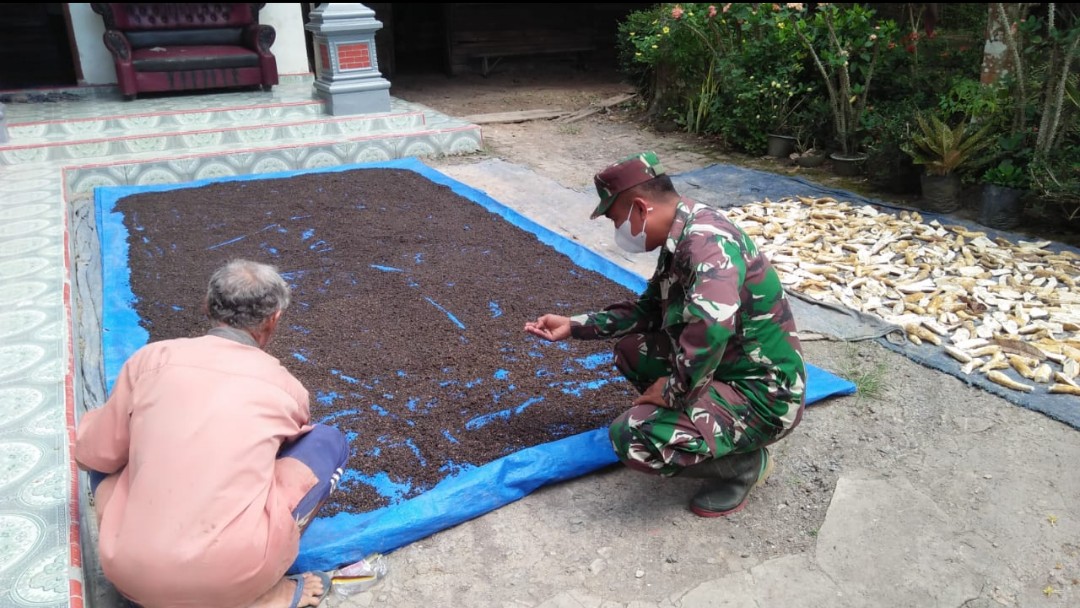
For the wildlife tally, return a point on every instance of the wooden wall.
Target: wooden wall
(449, 37)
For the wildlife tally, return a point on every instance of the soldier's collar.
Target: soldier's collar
(683, 210)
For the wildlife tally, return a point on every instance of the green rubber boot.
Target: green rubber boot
(729, 481)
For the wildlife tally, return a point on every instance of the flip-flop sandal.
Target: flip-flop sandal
(299, 593)
(327, 582)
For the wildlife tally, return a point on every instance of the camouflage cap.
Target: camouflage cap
(622, 176)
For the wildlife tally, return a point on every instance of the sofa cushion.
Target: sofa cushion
(165, 16)
(225, 36)
(174, 58)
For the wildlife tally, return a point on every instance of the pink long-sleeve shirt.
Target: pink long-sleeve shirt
(202, 512)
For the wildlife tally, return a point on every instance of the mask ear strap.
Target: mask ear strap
(634, 205)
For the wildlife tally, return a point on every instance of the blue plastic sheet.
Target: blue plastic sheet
(346, 537)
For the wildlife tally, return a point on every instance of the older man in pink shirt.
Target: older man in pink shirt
(204, 464)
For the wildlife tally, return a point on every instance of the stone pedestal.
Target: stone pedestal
(347, 74)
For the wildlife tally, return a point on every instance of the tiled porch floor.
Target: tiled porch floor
(58, 152)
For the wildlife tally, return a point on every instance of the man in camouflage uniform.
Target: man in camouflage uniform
(710, 344)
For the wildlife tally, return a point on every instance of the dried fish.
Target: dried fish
(946, 285)
(1000, 378)
(958, 354)
(970, 366)
(1071, 368)
(1022, 366)
(1064, 389)
(1061, 378)
(997, 361)
(1042, 374)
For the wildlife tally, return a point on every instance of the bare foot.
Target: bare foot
(280, 595)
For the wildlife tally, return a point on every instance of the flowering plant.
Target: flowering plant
(845, 44)
(734, 71)
(778, 98)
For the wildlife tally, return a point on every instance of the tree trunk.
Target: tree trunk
(663, 74)
(997, 56)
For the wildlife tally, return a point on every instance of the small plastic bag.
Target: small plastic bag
(360, 576)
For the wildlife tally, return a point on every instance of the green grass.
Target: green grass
(870, 379)
(871, 383)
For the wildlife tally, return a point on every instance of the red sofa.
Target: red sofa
(176, 47)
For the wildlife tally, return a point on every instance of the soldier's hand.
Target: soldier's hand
(550, 327)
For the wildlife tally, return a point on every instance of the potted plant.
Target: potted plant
(781, 98)
(1002, 202)
(943, 151)
(1056, 179)
(845, 44)
(1042, 43)
(807, 153)
(888, 167)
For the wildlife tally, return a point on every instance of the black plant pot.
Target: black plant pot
(1001, 207)
(891, 170)
(941, 193)
(847, 165)
(781, 146)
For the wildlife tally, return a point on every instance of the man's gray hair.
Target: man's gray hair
(243, 294)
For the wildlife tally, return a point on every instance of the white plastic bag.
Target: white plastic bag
(360, 576)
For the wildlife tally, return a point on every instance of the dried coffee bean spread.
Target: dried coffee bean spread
(407, 315)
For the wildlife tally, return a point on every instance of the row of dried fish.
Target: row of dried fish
(989, 303)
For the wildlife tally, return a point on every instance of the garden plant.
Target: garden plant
(858, 77)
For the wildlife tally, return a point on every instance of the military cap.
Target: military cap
(622, 176)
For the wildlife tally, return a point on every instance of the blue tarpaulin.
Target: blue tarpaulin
(474, 490)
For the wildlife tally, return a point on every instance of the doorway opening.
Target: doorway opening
(35, 46)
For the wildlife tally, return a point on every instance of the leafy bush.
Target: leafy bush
(1056, 178)
(846, 44)
(731, 71)
(1006, 175)
(888, 167)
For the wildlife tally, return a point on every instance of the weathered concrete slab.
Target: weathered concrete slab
(887, 544)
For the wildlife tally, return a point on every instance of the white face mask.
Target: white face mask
(631, 243)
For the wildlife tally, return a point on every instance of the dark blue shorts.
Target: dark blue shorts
(323, 449)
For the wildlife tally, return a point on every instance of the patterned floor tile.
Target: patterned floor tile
(180, 139)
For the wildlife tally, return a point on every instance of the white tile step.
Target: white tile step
(223, 132)
(449, 138)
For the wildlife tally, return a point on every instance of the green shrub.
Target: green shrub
(1055, 178)
(1007, 175)
(888, 167)
(730, 71)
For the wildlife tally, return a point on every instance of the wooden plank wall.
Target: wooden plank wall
(449, 37)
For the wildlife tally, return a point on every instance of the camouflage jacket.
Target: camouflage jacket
(720, 302)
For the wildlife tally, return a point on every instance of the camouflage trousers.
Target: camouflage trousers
(662, 441)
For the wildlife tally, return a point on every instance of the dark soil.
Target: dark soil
(406, 323)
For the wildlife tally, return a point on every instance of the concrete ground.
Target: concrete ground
(925, 492)
(919, 491)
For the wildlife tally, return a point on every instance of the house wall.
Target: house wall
(430, 34)
(97, 65)
(452, 36)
